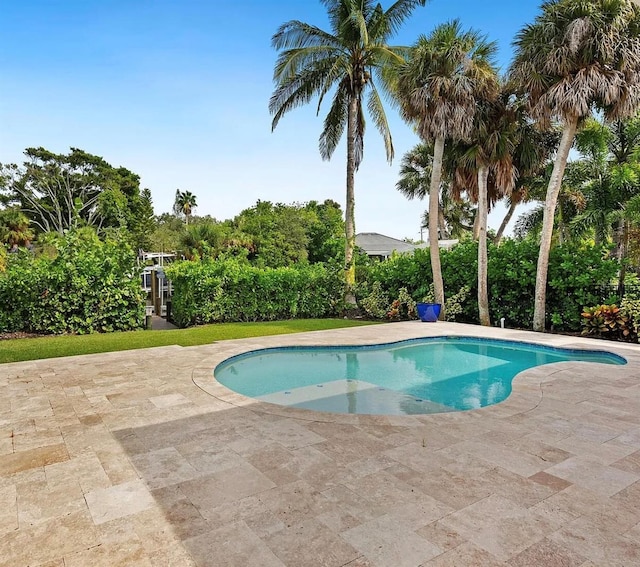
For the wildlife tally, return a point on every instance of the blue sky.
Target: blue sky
(177, 91)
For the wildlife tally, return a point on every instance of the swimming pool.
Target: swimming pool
(416, 376)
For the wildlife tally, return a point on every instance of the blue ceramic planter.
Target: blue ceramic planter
(428, 312)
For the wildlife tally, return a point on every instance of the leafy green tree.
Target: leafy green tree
(325, 231)
(61, 192)
(279, 233)
(166, 233)
(577, 55)
(313, 61)
(444, 76)
(184, 204)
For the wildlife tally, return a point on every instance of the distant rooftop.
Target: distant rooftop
(375, 244)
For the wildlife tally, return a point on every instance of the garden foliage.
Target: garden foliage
(576, 271)
(608, 322)
(80, 285)
(232, 290)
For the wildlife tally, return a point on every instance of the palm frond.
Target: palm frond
(376, 111)
(296, 35)
(334, 122)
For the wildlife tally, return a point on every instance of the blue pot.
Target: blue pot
(428, 312)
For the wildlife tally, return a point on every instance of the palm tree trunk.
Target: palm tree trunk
(483, 293)
(568, 134)
(623, 247)
(434, 202)
(442, 224)
(476, 225)
(349, 215)
(505, 222)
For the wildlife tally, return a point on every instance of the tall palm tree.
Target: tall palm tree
(577, 55)
(489, 156)
(437, 88)
(184, 204)
(348, 59)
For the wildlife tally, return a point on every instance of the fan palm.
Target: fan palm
(312, 62)
(438, 87)
(455, 215)
(184, 203)
(577, 55)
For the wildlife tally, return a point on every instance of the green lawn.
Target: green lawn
(16, 350)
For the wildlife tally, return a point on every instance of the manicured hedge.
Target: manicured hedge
(575, 273)
(78, 285)
(231, 290)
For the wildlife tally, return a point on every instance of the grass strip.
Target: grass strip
(18, 350)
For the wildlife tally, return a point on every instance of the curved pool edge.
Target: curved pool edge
(527, 386)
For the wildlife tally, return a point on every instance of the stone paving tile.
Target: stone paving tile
(294, 545)
(33, 458)
(546, 553)
(630, 463)
(591, 475)
(164, 467)
(231, 546)
(139, 458)
(225, 486)
(118, 501)
(465, 554)
(499, 526)
(588, 539)
(384, 542)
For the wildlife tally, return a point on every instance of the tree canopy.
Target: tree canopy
(60, 192)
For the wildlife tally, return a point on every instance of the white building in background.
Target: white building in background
(380, 246)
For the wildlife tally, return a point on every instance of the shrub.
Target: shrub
(82, 285)
(608, 322)
(403, 308)
(631, 306)
(575, 273)
(376, 304)
(231, 290)
(453, 304)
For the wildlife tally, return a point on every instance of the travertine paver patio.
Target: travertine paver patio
(139, 458)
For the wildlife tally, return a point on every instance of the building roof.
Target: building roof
(375, 244)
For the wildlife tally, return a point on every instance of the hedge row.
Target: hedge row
(575, 274)
(230, 290)
(79, 285)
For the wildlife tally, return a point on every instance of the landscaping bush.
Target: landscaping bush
(232, 290)
(82, 285)
(608, 322)
(575, 273)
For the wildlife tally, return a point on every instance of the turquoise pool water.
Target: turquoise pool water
(417, 376)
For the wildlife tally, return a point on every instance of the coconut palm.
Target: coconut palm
(577, 56)
(438, 87)
(184, 203)
(312, 62)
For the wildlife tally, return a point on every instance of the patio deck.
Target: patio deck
(139, 458)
